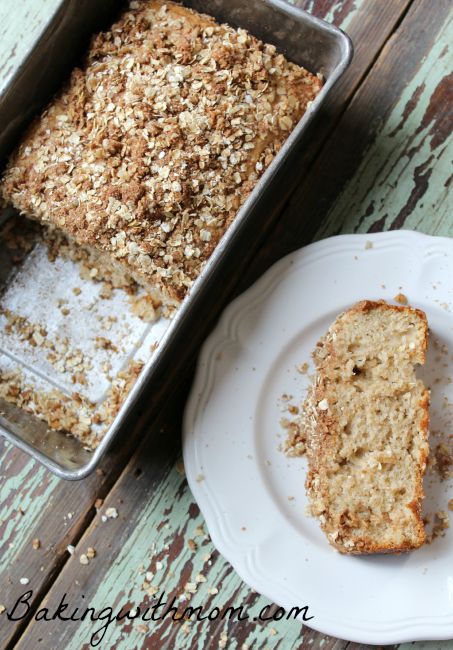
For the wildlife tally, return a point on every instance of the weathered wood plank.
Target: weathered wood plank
(22, 22)
(35, 505)
(403, 177)
(153, 533)
(144, 501)
(392, 165)
(159, 514)
(344, 143)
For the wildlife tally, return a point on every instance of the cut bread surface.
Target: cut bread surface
(366, 422)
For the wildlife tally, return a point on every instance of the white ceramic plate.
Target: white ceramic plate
(242, 481)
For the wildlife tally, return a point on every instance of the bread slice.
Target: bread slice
(366, 421)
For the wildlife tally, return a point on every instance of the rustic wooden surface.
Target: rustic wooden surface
(381, 161)
(22, 22)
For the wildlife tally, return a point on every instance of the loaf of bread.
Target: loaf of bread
(366, 421)
(149, 151)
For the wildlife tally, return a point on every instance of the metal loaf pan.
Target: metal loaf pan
(306, 40)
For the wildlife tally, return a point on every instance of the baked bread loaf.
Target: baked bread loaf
(151, 148)
(366, 421)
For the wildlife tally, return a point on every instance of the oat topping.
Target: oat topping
(59, 353)
(134, 172)
(111, 513)
(70, 414)
(151, 148)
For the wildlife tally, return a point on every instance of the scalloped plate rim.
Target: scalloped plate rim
(400, 631)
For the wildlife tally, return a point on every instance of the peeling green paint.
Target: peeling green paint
(386, 178)
(21, 23)
(166, 517)
(29, 491)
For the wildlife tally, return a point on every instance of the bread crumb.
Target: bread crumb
(180, 468)
(443, 461)
(401, 299)
(91, 553)
(295, 442)
(440, 525)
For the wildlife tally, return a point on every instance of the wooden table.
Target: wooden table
(381, 161)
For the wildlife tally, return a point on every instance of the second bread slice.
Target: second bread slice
(366, 419)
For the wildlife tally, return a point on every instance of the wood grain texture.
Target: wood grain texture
(41, 520)
(403, 153)
(390, 155)
(371, 26)
(161, 516)
(157, 515)
(159, 530)
(34, 504)
(22, 23)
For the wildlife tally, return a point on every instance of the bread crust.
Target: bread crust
(322, 431)
(149, 151)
